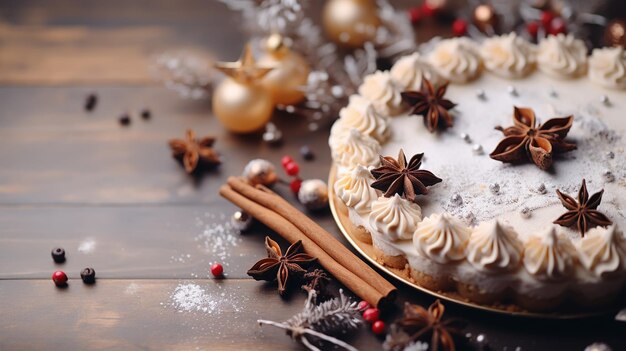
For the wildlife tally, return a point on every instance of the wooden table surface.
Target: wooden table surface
(116, 201)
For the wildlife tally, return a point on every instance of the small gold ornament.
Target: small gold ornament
(260, 171)
(239, 101)
(486, 19)
(615, 33)
(351, 23)
(285, 81)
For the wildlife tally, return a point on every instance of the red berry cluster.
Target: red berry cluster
(371, 314)
(550, 22)
(416, 14)
(292, 169)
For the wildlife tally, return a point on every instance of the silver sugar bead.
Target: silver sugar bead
(337, 91)
(241, 221)
(470, 218)
(525, 212)
(605, 100)
(466, 137)
(481, 339)
(456, 200)
(541, 189)
(512, 90)
(313, 194)
(260, 171)
(610, 155)
(598, 346)
(477, 149)
(553, 93)
(608, 176)
(494, 188)
(481, 94)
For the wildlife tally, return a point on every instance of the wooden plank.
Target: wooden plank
(143, 314)
(126, 242)
(54, 152)
(92, 42)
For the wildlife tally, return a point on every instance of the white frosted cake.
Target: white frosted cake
(484, 225)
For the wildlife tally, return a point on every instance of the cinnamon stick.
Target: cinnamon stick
(267, 198)
(292, 234)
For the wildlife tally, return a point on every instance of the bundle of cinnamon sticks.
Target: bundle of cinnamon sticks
(279, 215)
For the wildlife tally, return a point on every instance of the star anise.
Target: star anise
(418, 323)
(278, 266)
(582, 214)
(430, 103)
(525, 141)
(395, 177)
(194, 152)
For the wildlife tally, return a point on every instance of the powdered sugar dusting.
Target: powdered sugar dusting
(218, 236)
(192, 297)
(521, 189)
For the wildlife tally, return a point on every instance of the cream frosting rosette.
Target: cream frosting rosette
(409, 71)
(508, 56)
(549, 256)
(353, 148)
(361, 114)
(456, 60)
(607, 67)
(562, 56)
(396, 218)
(383, 92)
(494, 247)
(354, 189)
(441, 238)
(603, 251)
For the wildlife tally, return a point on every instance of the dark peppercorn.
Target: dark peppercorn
(58, 255)
(124, 119)
(307, 153)
(90, 102)
(146, 114)
(88, 275)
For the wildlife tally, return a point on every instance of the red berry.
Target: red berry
(532, 28)
(371, 314)
(428, 10)
(415, 14)
(295, 185)
(378, 327)
(546, 18)
(292, 169)
(557, 26)
(363, 305)
(217, 270)
(286, 160)
(459, 27)
(59, 278)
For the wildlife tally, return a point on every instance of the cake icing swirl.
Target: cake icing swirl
(562, 56)
(456, 60)
(409, 71)
(353, 148)
(607, 67)
(395, 217)
(508, 55)
(549, 256)
(603, 250)
(441, 238)
(361, 114)
(353, 188)
(382, 91)
(494, 247)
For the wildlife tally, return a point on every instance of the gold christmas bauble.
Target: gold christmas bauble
(350, 23)
(291, 72)
(242, 108)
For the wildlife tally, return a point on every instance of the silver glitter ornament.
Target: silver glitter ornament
(313, 194)
(241, 221)
(477, 149)
(456, 200)
(494, 188)
(260, 171)
(598, 346)
(608, 176)
(525, 212)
